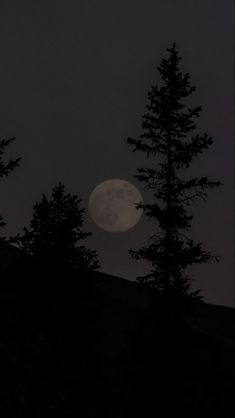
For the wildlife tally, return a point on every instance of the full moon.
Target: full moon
(112, 205)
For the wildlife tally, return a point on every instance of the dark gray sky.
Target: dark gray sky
(74, 77)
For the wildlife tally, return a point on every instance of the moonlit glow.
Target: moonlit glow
(112, 205)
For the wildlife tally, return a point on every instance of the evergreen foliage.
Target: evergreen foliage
(5, 169)
(167, 138)
(55, 232)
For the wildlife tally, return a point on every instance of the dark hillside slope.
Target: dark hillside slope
(195, 367)
(89, 346)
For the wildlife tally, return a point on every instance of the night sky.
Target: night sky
(74, 77)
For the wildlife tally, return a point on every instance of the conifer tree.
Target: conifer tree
(56, 232)
(6, 168)
(168, 139)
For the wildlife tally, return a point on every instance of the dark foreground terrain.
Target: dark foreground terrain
(94, 346)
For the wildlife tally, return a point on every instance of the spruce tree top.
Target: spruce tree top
(55, 234)
(168, 137)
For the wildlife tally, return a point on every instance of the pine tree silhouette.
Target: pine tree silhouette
(53, 335)
(6, 169)
(55, 232)
(167, 128)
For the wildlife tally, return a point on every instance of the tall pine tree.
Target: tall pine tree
(167, 137)
(56, 232)
(54, 332)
